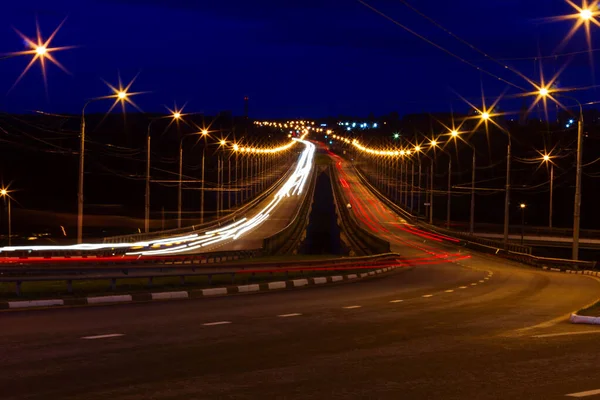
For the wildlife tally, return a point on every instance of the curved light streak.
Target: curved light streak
(292, 187)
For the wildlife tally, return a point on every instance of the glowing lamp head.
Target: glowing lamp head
(176, 115)
(417, 148)
(522, 205)
(586, 14)
(3, 192)
(204, 132)
(485, 115)
(546, 157)
(433, 143)
(41, 50)
(454, 133)
(222, 142)
(121, 95)
(236, 147)
(543, 92)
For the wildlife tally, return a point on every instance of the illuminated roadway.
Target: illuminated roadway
(247, 233)
(464, 326)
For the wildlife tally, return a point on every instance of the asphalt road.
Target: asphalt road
(278, 219)
(453, 326)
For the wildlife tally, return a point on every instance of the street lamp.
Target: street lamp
(577, 206)
(5, 193)
(485, 117)
(176, 116)
(455, 134)
(180, 184)
(204, 133)
(120, 94)
(547, 159)
(522, 206)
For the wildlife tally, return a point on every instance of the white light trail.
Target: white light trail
(294, 186)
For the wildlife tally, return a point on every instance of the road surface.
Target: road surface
(476, 328)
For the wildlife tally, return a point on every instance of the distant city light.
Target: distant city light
(348, 128)
(375, 125)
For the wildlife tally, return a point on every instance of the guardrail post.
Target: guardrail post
(18, 288)
(113, 284)
(233, 278)
(69, 286)
(182, 280)
(150, 279)
(209, 280)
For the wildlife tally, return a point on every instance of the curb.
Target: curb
(189, 294)
(582, 319)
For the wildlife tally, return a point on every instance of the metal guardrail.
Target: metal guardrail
(359, 238)
(287, 240)
(181, 267)
(529, 230)
(514, 247)
(137, 237)
(532, 260)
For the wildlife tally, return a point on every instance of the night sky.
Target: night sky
(294, 58)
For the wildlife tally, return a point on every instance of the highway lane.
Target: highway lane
(451, 330)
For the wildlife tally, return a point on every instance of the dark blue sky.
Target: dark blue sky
(293, 58)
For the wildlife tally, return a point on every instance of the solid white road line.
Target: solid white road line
(481, 281)
(566, 333)
(110, 335)
(473, 284)
(427, 295)
(449, 291)
(584, 394)
(289, 315)
(396, 301)
(351, 307)
(462, 287)
(217, 323)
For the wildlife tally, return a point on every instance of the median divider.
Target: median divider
(289, 238)
(21, 275)
(196, 293)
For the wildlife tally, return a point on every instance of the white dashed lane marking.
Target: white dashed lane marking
(351, 307)
(217, 323)
(427, 295)
(473, 284)
(449, 290)
(462, 287)
(110, 335)
(289, 315)
(396, 301)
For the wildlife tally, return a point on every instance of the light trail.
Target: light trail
(294, 186)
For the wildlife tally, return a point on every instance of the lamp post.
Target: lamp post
(180, 183)
(4, 193)
(544, 92)
(448, 191)
(546, 159)
(455, 134)
(204, 134)
(522, 206)
(176, 116)
(485, 116)
(122, 96)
